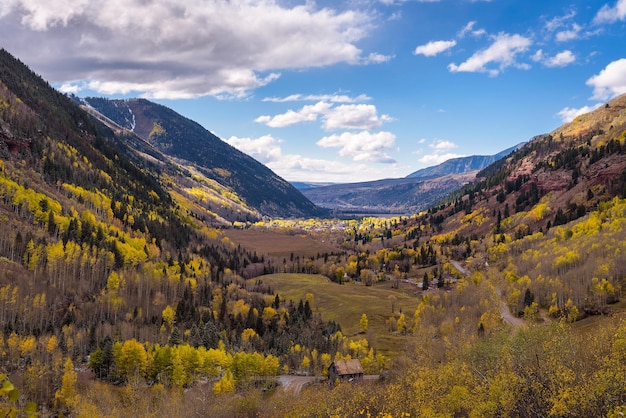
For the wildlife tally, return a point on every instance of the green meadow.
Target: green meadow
(346, 303)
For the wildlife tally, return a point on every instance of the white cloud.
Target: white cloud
(608, 14)
(375, 58)
(568, 114)
(435, 159)
(568, 35)
(391, 2)
(469, 28)
(186, 48)
(561, 59)
(362, 146)
(353, 116)
(610, 82)
(433, 48)
(264, 149)
(335, 98)
(538, 56)
(345, 116)
(560, 21)
(442, 145)
(501, 52)
(439, 151)
(295, 167)
(308, 113)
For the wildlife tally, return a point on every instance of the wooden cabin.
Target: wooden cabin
(345, 370)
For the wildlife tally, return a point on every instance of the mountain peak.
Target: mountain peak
(182, 138)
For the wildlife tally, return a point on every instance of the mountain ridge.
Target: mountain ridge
(463, 164)
(409, 194)
(182, 138)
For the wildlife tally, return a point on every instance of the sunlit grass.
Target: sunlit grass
(346, 303)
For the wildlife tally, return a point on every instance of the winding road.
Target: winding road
(507, 316)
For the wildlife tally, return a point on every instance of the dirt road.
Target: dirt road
(296, 383)
(507, 316)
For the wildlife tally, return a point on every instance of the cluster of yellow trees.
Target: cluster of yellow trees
(571, 270)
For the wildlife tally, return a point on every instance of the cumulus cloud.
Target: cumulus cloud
(295, 167)
(560, 60)
(570, 34)
(353, 116)
(362, 146)
(335, 98)
(608, 14)
(434, 47)
(308, 113)
(498, 56)
(435, 159)
(610, 82)
(264, 149)
(439, 151)
(568, 114)
(345, 116)
(443, 145)
(186, 48)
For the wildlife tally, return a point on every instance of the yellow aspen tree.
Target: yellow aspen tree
(66, 396)
(364, 324)
(225, 385)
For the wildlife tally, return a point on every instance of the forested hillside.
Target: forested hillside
(182, 138)
(101, 254)
(124, 290)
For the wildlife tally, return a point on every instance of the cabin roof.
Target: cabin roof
(352, 366)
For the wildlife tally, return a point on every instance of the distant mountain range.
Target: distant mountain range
(411, 194)
(463, 164)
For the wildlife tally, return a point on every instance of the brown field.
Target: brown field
(278, 244)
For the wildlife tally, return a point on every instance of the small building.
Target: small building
(345, 370)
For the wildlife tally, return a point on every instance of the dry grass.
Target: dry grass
(278, 244)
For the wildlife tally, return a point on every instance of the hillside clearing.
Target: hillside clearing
(345, 304)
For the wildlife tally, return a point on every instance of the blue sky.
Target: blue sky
(337, 91)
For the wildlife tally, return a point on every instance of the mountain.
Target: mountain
(553, 179)
(390, 196)
(185, 140)
(411, 194)
(463, 164)
(119, 296)
(302, 185)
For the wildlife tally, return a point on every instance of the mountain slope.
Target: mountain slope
(397, 196)
(552, 180)
(179, 137)
(463, 164)
(411, 194)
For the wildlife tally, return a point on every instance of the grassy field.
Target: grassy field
(346, 303)
(278, 244)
